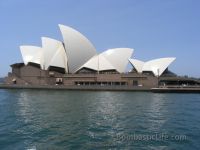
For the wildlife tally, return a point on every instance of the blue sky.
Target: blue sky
(154, 28)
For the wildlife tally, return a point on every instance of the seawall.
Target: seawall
(75, 87)
(105, 88)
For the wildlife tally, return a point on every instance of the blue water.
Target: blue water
(34, 119)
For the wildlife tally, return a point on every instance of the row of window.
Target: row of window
(102, 83)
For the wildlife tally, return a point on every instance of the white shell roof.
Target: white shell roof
(32, 54)
(78, 52)
(118, 57)
(78, 48)
(138, 65)
(98, 63)
(157, 66)
(54, 53)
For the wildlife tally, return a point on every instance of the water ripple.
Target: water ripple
(32, 119)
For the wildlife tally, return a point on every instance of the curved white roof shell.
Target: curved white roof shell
(138, 65)
(118, 57)
(32, 54)
(158, 66)
(78, 48)
(54, 53)
(98, 63)
(78, 52)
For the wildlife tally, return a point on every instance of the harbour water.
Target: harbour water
(47, 119)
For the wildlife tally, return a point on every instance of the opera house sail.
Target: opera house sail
(156, 66)
(78, 48)
(32, 54)
(54, 54)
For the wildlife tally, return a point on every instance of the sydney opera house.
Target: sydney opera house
(75, 62)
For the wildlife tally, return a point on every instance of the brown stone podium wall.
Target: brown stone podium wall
(33, 75)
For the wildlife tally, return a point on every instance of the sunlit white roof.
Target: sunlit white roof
(77, 52)
(78, 48)
(138, 65)
(54, 53)
(98, 63)
(157, 66)
(32, 54)
(118, 57)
